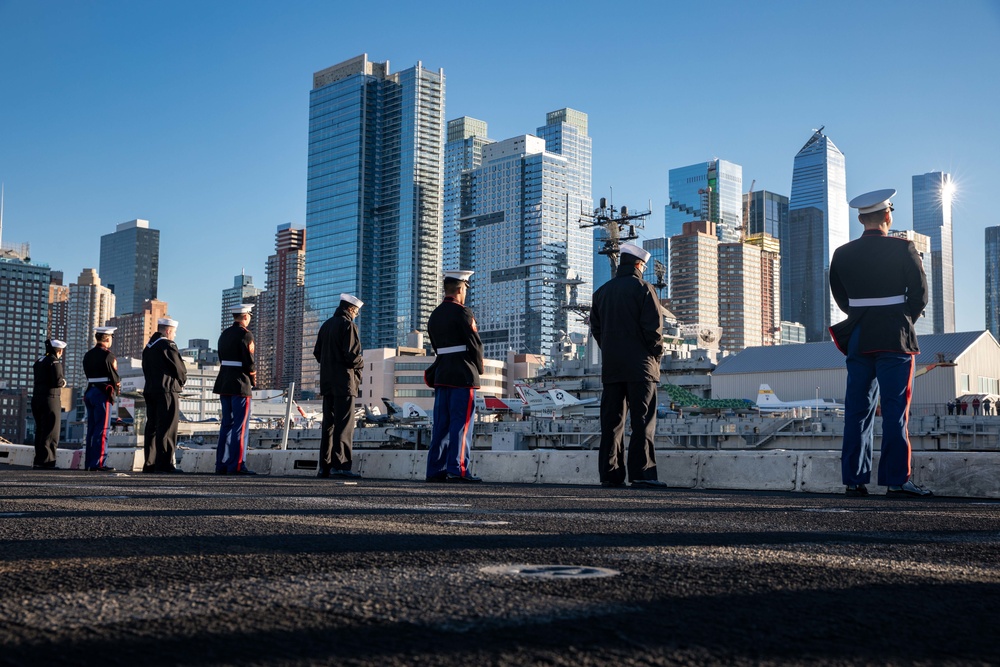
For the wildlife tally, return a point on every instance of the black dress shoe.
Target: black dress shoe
(438, 477)
(856, 491)
(908, 490)
(243, 471)
(614, 485)
(221, 471)
(648, 484)
(100, 469)
(324, 474)
(149, 469)
(350, 474)
(462, 479)
(173, 470)
(44, 466)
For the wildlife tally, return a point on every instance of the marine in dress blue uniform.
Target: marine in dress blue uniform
(879, 281)
(234, 385)
(165, 375)
(627, 323)
(103, 384)
(454, 376)
(338, 351)
(45, 403)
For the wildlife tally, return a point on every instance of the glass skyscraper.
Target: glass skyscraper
(522, 236)
(932, 217)
(657, 249)
(130, 261)
(818, 223)
(462, 153)
(374, 196)
(993, 280)
(706, 191)
(767, 213)
(24, 291)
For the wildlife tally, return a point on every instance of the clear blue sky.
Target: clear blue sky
(193, 115)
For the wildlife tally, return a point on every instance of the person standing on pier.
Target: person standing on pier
(627, 323)
(454, 376)
(46, 404)
(879, 281)
(165, 375)
(234, 385)
(103, 384)
(338, 351)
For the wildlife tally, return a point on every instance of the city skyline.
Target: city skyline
(206, 136)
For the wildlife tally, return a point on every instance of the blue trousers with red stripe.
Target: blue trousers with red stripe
(98, 418)
(451, 438)
(885, 377)
(231, 454)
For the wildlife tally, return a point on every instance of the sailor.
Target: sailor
(454, 376)
(165, 375)
(879, 281)
(627, 324)
(338, 351)
(103, 384)
(234, 384)
(46, 404)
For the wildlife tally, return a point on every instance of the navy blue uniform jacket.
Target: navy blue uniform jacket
(162, 366)
(878, 266)
(626, 322)
(100, 363)
(236, 344)
(338, 351)
(452, 325)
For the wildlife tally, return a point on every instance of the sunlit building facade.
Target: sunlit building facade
(694, 275)
(130, 260)
(91, 305)
(706, 191)
(374, 201)
(932, 193)
(463, 152)
(24, 291)
(818, 221)
(278, 314)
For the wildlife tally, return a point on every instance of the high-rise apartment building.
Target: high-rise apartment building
(374, 200)
(818, 223)
(924, 325)
(710, 191)
(279, 338)
(769, 295)
(24, 289)
(993, 280)
(767, 213)
(523, 238)
(130, 261)
(932, 193)
(135, 329)
(694, 274)
(91, 305)
(740, 313)
(242, 291)
(58, 306)
(463, 152)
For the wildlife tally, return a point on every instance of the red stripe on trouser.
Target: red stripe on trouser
(243, 430)
(906, 420)
(465, 431)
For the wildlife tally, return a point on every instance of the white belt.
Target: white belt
(98, 380)
(878, 301)
(452, 350)
(233, 363)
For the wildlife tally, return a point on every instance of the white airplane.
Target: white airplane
(545, 405)
(409, 412)
(768, 402)
(490, 405)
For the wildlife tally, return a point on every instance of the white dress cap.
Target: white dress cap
(870, 202)
(351, 299)
(241, 308)
(635, 251)
(106, 330)
(459, 275)
(166, 322)
(57, 344)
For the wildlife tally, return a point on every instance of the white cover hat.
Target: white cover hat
(459, 275)
(635, 251)
(870, 202)
(351, 299)
(166, 322)
(57, 344)
(106, 330)
(241, 308)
